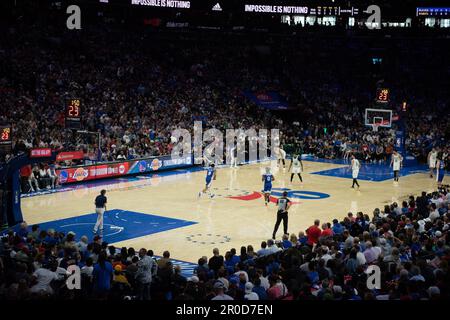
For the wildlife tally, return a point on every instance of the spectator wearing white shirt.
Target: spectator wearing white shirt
(88, 269)
(249, 294)
(360, 257)
(239, 272)
(121, 156)
(51, 173)
(434, 213)
(272, 247)
(264, 281)
(44, 177)
(325, 254)
(219, 292)
(44, 278)
(33, 180)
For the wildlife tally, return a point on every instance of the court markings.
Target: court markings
(371, 172)
(119, 225)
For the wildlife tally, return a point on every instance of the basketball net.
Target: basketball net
(375, 127)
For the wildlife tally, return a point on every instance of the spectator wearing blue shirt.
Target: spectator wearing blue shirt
(231, 259)
(272, 265)
(102, 274)
(302, 238)
(51, 238)
(202, 270)
(286, 244)
(313, 275)
(23, 231)
(259, 290)
(404, 208)
(337, 227)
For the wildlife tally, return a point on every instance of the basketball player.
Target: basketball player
(296, 166)
(355, 165)
(210, 176)
(396, 163)
(440, 170)
(281, 157)
(267, 178)
(283, 204)
(233, 157)
(100, 208)
(432, 158)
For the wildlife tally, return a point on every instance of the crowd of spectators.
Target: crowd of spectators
(408, 242)
(136, 87)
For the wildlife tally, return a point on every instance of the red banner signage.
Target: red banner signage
(72, 155)
(40, 153)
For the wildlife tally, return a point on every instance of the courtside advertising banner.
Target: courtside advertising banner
(69, 155)
(122, 168)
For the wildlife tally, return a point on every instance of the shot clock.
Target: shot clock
(383, 95)
(73, 114)
(5, 138)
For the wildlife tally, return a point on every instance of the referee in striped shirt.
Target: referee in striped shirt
(283, 204)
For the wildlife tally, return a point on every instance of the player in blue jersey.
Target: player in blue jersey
(267, 178)
(440, 170)
(210, 176)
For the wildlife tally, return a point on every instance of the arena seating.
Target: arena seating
(408, 243)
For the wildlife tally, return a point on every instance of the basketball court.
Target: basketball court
(162, 211)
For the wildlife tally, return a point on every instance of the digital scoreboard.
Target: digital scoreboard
(432, 11)
(302, 9)
(73, 114)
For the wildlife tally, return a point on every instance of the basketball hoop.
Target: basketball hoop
(377, 118)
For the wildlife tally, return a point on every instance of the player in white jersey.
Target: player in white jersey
(281, 157)
(432, 159)
(396, 163)
(233, 157)
(296, 167)
(355, 165)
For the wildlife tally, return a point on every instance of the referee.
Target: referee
(283, 204)
(100, 207)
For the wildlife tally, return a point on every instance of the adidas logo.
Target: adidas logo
(217, 7)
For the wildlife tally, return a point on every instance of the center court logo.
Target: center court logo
(300, 194)
(278, 192)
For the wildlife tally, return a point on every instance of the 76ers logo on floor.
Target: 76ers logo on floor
(278, 192)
